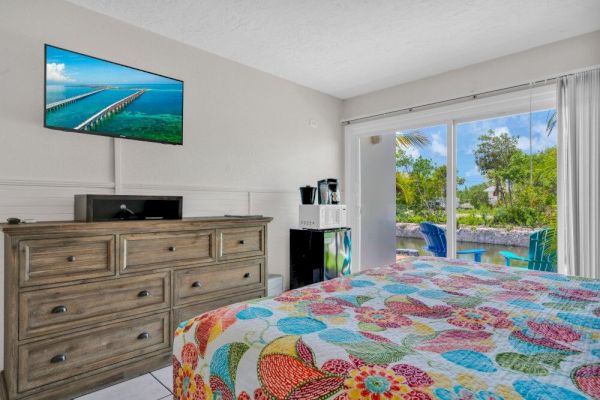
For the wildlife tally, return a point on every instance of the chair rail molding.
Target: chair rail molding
(55, 183)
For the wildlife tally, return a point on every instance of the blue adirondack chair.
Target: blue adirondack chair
(539, 258)
(435, 237)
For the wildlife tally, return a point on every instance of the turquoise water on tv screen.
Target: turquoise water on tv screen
(155, 115)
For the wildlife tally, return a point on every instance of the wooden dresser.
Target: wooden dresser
(88, 304)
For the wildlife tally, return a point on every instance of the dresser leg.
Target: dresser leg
(3, 393)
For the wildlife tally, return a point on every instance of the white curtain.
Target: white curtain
(579, 174)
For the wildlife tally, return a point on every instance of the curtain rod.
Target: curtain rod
(510, 89)
(462, 99)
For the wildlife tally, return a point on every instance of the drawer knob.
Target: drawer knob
(247, 275)
(71, 258)
(197, 284)
(242, 241)
(172, 248)
(144, 293)
(143, 335)
(59, 310)
(58, 358)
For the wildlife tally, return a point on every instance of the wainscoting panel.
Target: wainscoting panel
(198, 202)
(283, 207)
(54, 201)
(43, 201)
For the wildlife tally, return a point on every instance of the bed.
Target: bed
(424, 328)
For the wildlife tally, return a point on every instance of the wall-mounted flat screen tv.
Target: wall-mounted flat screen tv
(89, 95)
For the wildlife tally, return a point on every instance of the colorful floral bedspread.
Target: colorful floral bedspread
(426, 328)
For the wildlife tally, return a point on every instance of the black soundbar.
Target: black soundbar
(105, 207)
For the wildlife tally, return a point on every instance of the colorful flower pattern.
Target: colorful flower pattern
(326, 308)
(375, 383)
(383, 318)
(479, 318)
(427, 328)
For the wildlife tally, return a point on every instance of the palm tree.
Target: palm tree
(411, 139)
(550, 122)
(404, 187)
(404, 141)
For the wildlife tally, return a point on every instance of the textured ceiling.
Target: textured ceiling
(350, 47)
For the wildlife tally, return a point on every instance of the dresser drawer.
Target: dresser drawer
(59, 309)
(188, 312)
(66, 259)
(202, 283)
(145, 250)
(49, 361)
(241, 242)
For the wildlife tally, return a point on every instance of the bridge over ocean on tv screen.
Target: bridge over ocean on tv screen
(89, 95)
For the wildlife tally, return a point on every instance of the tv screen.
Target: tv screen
(89, 95)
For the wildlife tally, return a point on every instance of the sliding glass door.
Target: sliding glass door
(489, 179)
(484, 171)
(505, 184)
(421, 181)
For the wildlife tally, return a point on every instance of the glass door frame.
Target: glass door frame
(517, 102)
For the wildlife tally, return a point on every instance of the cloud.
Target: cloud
(500, 130)
(437, 147)
(539, 129)
(412, 152)
(538, 143)
(540, 139)
(56, 72)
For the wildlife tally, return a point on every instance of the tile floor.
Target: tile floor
(156, 385)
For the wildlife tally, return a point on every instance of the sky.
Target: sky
(468, 132)
(65, 67)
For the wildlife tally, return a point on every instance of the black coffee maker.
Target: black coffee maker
(329, 191)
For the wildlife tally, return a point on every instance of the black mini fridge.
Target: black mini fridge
(317, 255)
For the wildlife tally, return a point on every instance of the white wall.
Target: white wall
(378, 201)
(247, 147)
(518, 68)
